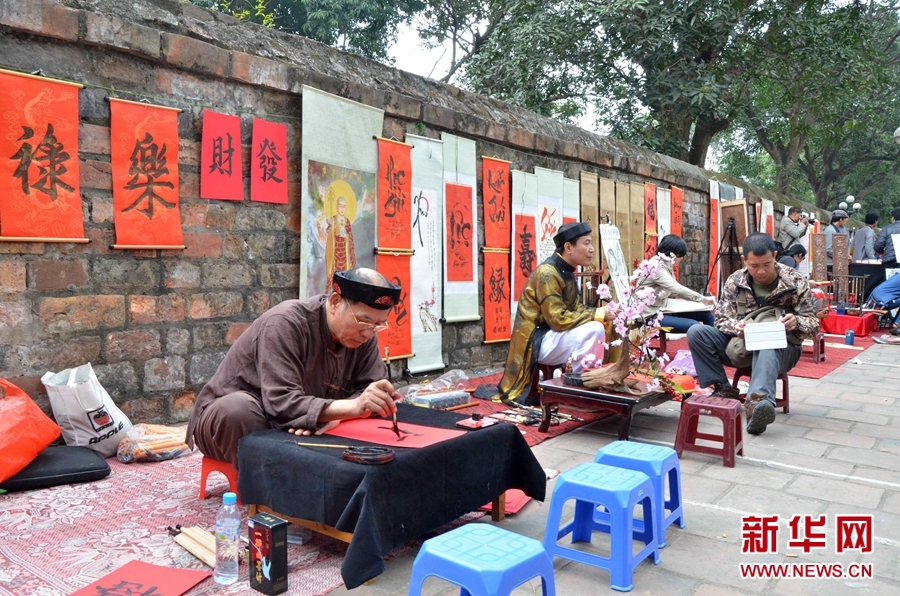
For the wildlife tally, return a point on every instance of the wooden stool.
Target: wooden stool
(818, 348)
(534, 395)
(784, 402)
(209, 465)
(726, 410)
(662, 341)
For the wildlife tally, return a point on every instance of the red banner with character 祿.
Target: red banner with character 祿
(221, 172)
(495, 197)
(497, 325)
(144, 154)
(268, 162)
(39, 176)
(398, 336)
(394, 194)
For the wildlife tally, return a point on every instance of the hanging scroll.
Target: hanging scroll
(460, 230)
(495, 196)
(636, 239)
(268, 163)
(550, 205)
(622, 219)
(394, 194)
(426, 271)
(590, 193)
(397, 337)
(144, 154)
(497, 325)
(650, 221)
(571, 201)
(677, 222)
(339, 167)
(713, 272)
(39, 176)
(524, 240)
(768, 217)
(221, 171)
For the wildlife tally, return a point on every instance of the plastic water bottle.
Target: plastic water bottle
(228, 538)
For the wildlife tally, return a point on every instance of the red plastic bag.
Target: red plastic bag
(25, 430)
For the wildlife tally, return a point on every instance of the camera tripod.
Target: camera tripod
(728, 243)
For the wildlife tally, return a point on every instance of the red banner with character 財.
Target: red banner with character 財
(221, 172)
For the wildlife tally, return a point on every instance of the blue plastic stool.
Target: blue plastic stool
(483, 560)
(658, 463)
(618, 491)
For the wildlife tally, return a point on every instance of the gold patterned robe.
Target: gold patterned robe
(549, 300)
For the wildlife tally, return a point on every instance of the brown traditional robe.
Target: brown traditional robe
(549, 300)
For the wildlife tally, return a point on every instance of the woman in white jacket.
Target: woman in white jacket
(664, 285)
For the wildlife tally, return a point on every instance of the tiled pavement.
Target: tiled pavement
(837, 452)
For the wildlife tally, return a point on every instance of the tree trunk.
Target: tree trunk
(704, 131)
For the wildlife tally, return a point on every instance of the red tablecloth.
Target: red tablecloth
(839, 324)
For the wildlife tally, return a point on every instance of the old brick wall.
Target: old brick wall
(156, 324)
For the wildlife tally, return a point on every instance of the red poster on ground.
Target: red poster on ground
(144, 154)
(268, 163)
(394, 194)
(378, 431)
(525, 255)
(398, 336)
(221, 174)
(39, 179)
(460, 223)
(137, 577)
(650, 224)
(496, 296)
(677, 217)
(495, 196)
(713, 286)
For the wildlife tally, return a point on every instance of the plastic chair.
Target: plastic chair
(659, 464)
(618, 491)
(209, 465)
(483, 560)
(785, 401)
(726, 410)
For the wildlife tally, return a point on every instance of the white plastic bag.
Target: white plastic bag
(85, 411)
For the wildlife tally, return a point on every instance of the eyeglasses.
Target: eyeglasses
(363, 326)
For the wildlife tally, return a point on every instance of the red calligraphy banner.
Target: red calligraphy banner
(677, 217)
(394, 194)
(221, 174)
(144, 154)
(525, 255)
(39, 176)
(268, 163)
(495, 197)
(398, 336)
(713, 286)
(650, 224)
(497, 325)
(460, 228)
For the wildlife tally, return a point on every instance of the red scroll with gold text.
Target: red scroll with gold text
(144, 152)
(497, 325)
(394, 245)
(495, 197)
(39, 179)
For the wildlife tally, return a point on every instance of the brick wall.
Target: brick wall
(156, 324)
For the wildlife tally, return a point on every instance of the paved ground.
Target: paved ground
(837, 452)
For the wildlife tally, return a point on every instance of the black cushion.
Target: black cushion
(59, 464)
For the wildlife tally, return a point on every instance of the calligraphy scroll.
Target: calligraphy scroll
(590, 193)
(636, 240)
(137, 578)
(268, 162)
(39, 176)
(677, 222)
(394, 194)
(607, 210)
(426, 270)
(144, 154)
(398, 335)
(571, 201)
(550, 205)
(460, 231)
(622, 219)
(495, 202)
(497, 325)
(615, 260)
(339, 160)
(524, 240)
(650, 221)
(221, 171)
(768, 217)
(713, 273)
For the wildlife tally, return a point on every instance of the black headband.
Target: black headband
(378, 297)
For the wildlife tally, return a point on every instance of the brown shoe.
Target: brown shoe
(725, 390)
(760, 413)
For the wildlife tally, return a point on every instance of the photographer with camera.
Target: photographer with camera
(793, 227)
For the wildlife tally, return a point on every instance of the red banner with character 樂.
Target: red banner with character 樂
(144, 155)
(268, 162)
(39, 175)
(497, 325)
(398, 336)
(221, 174)
(394, 194)
(495, 201)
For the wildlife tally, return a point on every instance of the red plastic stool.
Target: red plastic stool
(213, 465)
(784, 402)
(726, 410)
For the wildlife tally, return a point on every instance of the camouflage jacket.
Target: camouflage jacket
(792, 293)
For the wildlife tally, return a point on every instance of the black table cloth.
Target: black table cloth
(874, 273)
(386, 505)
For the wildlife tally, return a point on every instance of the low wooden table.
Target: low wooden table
(555, 392)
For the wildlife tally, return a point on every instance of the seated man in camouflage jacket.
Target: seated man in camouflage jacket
(761, 283)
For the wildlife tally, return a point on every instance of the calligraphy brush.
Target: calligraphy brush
(394, 427)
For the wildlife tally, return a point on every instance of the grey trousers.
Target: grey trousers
(223, 422)
(708, 345)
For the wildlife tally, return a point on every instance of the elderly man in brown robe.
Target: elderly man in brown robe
(304, 365)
